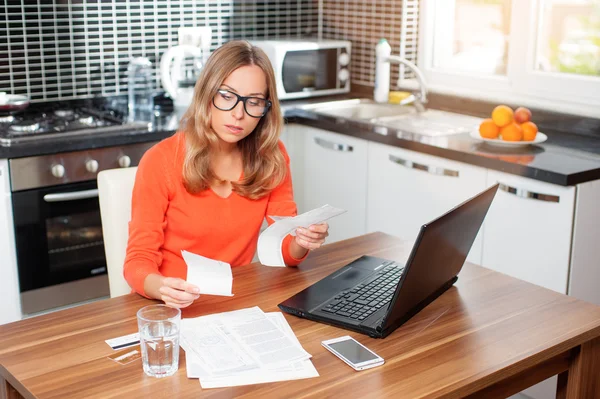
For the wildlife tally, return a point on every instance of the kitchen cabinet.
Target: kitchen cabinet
(407, 189)
(527, 231)
(333, 170)
(292, 138)
(9, 280)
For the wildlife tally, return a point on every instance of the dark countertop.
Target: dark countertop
(553, 161)
(564, 159)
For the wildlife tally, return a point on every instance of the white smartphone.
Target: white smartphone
(353, 353)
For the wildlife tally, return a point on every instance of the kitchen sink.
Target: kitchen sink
(431, 122)
(359, 109)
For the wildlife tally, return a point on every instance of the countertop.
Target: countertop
(564, 159)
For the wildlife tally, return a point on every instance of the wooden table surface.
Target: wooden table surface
(488, 336)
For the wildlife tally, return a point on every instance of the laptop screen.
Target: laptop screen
(439, 254)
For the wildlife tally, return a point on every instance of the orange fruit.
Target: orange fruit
(512, 132)
(488, 129)
(502, 115)
(530, 130)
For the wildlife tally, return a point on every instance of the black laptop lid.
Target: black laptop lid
(438, 255)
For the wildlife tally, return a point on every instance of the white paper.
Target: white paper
(231, 349)
(271, 239)
(213, 277)
(294, 371)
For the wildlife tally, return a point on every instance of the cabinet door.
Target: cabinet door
(292, 139)
(9, 276)
(407, 189)
(527, 233)
(335, 173)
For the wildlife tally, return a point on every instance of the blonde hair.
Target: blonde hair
(263, 162)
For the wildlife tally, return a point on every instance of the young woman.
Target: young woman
(208, 188)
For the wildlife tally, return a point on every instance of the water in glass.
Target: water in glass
(159, 339)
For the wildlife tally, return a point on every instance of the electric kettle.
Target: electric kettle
(180, 66)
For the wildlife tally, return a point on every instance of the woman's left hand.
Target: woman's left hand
(313, 236)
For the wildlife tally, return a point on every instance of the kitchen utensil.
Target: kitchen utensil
(12, 103)
(180, 66)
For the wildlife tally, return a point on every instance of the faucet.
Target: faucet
(419, 99)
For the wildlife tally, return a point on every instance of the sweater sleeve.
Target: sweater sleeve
(150, 199)
(281, 203)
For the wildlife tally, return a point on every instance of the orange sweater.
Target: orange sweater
(166, 219)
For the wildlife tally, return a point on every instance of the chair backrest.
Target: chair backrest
(115, 187)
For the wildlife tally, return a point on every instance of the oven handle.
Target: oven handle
(72, 196)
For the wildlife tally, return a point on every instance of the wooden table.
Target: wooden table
(488, 336)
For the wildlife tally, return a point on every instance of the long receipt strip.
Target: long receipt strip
(243, 347)
(270, 240)
(213, 277)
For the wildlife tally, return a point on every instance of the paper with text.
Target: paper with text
(271, 239)
(213, 277)
(218, 359)
(292, 371)
(239, 341)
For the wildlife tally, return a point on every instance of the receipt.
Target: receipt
(270, 240)
(213, 277)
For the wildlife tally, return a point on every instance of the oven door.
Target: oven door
(58, 235)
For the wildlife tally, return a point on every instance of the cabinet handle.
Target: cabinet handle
(434, 170)
(333, 146)
(520, 192)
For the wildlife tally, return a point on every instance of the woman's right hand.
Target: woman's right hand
(175, 292)
(178, 293)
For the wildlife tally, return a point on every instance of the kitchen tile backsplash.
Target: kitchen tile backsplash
(64, 49)
(364, 23)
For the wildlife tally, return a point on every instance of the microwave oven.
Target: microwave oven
(307, 68)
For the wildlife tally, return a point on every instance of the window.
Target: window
(569, 37)
(540, 53)
(472, 36)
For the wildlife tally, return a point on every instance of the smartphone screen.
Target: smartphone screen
(352, 351)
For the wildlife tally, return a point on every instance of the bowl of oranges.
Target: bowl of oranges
(508, 128)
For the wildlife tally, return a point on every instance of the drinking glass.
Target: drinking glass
(140, 89)
(159, 339)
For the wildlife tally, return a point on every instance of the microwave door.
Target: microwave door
(310, 70)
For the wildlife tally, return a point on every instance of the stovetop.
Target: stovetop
(43, 121)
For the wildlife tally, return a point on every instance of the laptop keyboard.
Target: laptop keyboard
(369, 296)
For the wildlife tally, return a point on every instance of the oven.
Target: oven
(57, 226)
(58, 237)
(51, 239)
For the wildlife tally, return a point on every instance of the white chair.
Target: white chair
(115, 187)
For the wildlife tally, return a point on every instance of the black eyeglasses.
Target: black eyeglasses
(256, 107)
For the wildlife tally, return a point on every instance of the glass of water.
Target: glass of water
(159, 339)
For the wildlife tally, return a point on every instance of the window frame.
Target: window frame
(522, 85)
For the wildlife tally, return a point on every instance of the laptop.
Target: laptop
(374, 296)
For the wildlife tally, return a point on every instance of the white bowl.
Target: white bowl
(539, 138)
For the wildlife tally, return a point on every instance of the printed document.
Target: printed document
(271, 239)
(213, 277)
(243, 347)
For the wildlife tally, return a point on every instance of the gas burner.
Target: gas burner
(64, 113)
(7, 119)
(88, 121)
(25, 127)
